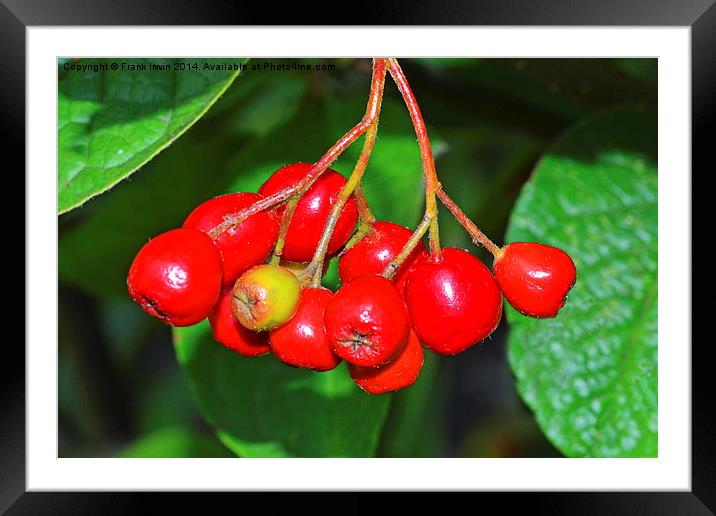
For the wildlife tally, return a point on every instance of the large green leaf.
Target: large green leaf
(590, 374)
(263, 408)
(111, 122)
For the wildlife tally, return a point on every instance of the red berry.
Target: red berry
(302, 341)
(402, 280)
(453, 300)
(535, 278)
(243, 246)
(176, 277)
(312, 211)
(367, 322)
(229, 332)
(401, 372)
(376, 250)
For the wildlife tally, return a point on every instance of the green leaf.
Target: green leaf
(590, 374)
(263, 408)
(175, 442)
(111, 122)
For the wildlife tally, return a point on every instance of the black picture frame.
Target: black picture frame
(700, 15)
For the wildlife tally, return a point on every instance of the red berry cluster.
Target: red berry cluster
(376, 321)
(395, 295)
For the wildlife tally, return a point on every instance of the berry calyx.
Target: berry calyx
(535, 278)
(398, 374)
(265, 296)
(312, 211)
(302, 341)
(229, 332)
(453, 301)
(176, 277)
(242, 246)
(367, 322)
(376, 250)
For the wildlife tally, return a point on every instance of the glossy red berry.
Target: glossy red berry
(302, 341)
(312, 211)
(229, 332)
(535, 278)
(453, 300)
(376, 250)
(242, 246)
(398, 374)
(402, 280)
(176, 277)
(265, 297)
(367, 322)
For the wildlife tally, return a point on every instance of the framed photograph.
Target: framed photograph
(449, 256)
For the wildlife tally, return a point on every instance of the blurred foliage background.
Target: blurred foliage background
(121, 390)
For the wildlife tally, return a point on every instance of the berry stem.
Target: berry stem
(366, 219)
(431, 179)
(371, 114)
(395, 264)
(283, 228)
(315, 268)
(478, 237)
(363, 229)
(364, 212)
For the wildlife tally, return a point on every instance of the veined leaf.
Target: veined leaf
(112, 121)
(590, 374)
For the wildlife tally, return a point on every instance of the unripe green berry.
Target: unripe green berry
(265, 297)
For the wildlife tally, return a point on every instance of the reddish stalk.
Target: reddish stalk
(426, 153)
(363, 229)
(371, 113)
(314, 270)
(364, 212)
(396, 262)
(283, 228)
(366, 219)
(478, 237)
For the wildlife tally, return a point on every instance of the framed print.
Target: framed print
(416, 258)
